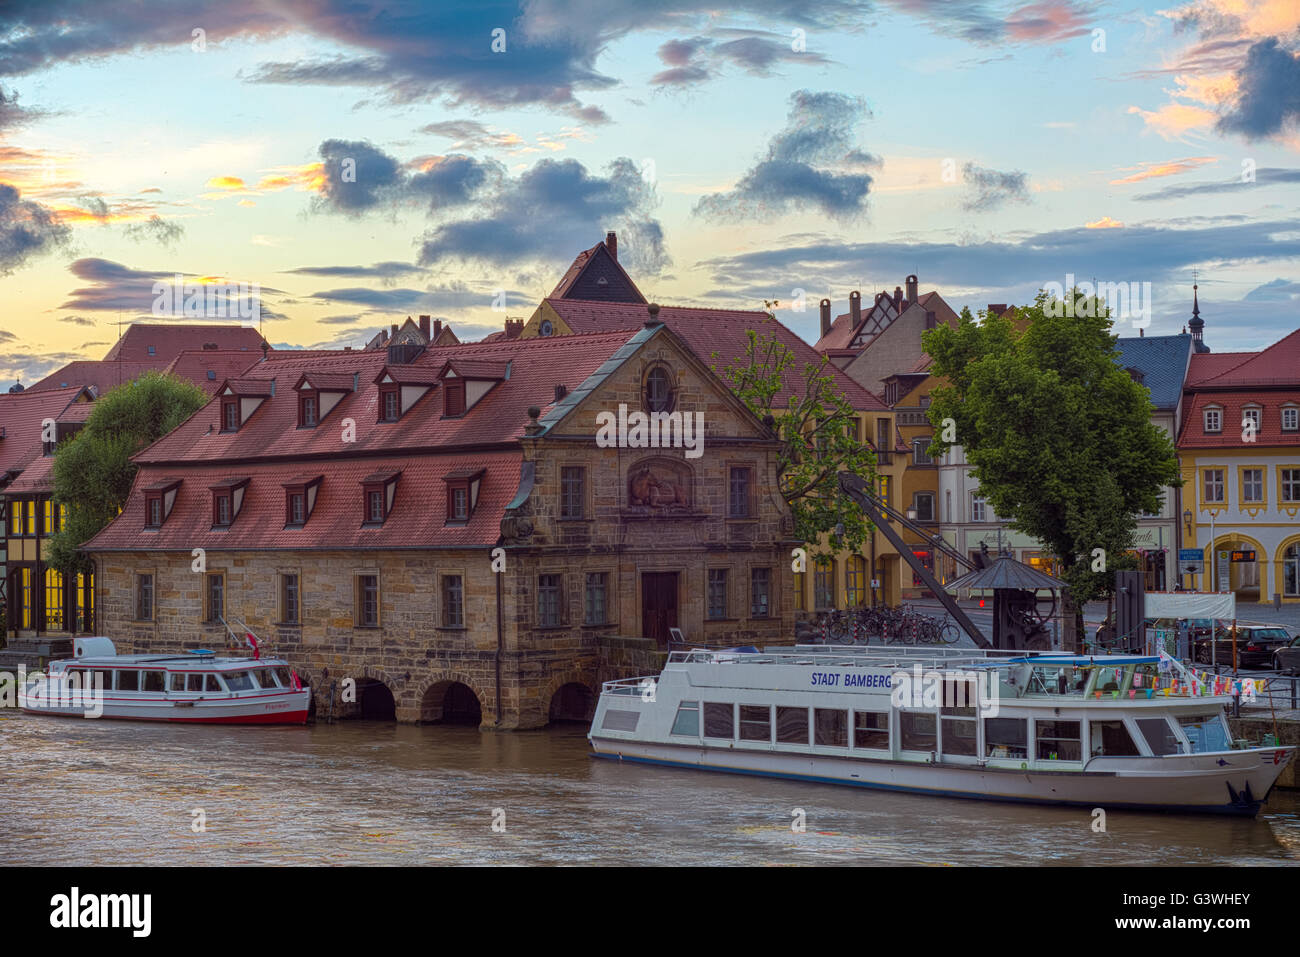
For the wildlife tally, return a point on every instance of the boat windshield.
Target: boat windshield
(238, 680)
(1206, 732)
(1058, 679)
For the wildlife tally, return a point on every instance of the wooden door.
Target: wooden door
(658, 605)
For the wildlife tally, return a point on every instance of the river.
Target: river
(83, 792)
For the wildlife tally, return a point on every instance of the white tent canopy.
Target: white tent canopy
(1191, 604)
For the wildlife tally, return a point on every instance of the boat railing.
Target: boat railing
(630, 687)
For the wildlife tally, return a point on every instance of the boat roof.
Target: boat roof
(200, 662)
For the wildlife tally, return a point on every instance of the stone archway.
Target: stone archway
(450, 700)
(572, 702)
(1248, 580)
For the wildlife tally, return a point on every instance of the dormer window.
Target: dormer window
(230, 414)
(1213, 419)
(390, 404)
(319, 393)
(1251, 414)
(379, 491)
(227, 500)
(467, 381)
(307, 410)
(462, 494)
(158, 501)
(455, 397)
(240, 398)
(400, 387)
(300, 499)
(1290, 418)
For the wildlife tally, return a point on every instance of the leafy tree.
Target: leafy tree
(93, 470)
(817, 428)
(1058, 434)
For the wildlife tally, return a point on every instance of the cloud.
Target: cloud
(11, 114)
(77, 320)
(1051, 21)
(450, 181)
(26, 229)
(812, 161)
(356, 177)
(1268, 176)
(1279, 290)
(383, 270)
(550, 209)
(6, 336)
(694, 60)
(161, 231)
(1156, 170)
(111, 286)
(990, 189)
(1104, 223)
(1268, 92)
(452, 297)
(472, 135)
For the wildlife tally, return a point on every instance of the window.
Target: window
(153, 681)
(687, 722)
(1205, 732)
(144, 597)
(1250, 419)
(719, 720)
(453, 601)
(297, 508)
(154, 511)
(548, 600)
(923, 502)
(390, 406)
(791, 725)
(239, 680)
(977, 508)
(1252, 485)
(54, 600)
(459, 503)
(855, 581)
(1058, 741)
(367, 601)
(658, 390)
(597, 587)
(824, 585)
(871, 730)
(755, 722)
(958, 716)
(307, 407)
(375, 505)
(289, 599)
(830, 728)
(1291, 571)
(759, 592)
(919, 730)
(1213, 420)
(1290, 419)
(1214, 485)
(717, 593)
(221, 508)
(128, 681)
(738, 505)
(800, 583)
(1006, 738)
(1160, 736)
(572, 491)
(1290, 485)
(1111, 738)
(455, 400)
(884, 486)
(216, 598)
(919, 454)
(49, 521)
(230, 414)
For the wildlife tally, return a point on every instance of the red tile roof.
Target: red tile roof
(1206, 365)
(168, 340)
(1278, 364)
(327, 381)
(37, 477)
(21, 414)
(247, 386)
(1270, 434)
(475, 368)
(195, 364)
(600, 263)
(843, 332)
(709, 332)
(99, 374)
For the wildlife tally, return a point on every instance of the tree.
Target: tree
(93, 471)
(817, 428)
(1058, 434)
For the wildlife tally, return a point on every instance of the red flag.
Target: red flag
(294, 681)
(252, 643)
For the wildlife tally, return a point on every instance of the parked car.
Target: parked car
(1287, 658)
(1256, 646)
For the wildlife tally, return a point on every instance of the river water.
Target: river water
(102, 792)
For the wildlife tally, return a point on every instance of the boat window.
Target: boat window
(719, 720)
(153, 681)
(755, 722)
(1206, 732)
(831, 727)
(178, 681)
(1159, 735)
(195, 682)
(791, 725)
(871, 730)
(128, 681)
(265, 677)
(1006, 738)
(102, 680)
(238, 680)
(283, 675)
(1058, 741)
(1058, 679)
(959, 735)
(688, 719)
(1144, 676)
(212, 684)
(1111, 739)
(960, 696)
(919, 731)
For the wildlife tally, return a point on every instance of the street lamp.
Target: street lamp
(911, 514)
(1187, 520)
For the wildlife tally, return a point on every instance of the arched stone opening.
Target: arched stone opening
(450, 702)
(572, 702)
(375, 701)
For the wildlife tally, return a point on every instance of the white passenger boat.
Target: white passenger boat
(1105, 731)
(196, 687)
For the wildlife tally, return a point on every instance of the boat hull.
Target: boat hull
(1177, 784)
(288, 707)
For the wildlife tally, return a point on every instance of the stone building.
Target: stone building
(446, 526)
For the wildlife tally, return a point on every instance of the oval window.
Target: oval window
(546, 328)
(658, 390)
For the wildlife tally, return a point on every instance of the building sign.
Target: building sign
(1191, 555)
(1243, 556)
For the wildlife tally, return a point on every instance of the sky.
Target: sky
(360, 161)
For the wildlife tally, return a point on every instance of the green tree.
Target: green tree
(93, 470)
(1058, 434)
(817, 428)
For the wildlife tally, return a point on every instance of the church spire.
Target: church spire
(1197, 325)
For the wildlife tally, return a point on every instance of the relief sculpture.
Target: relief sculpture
(659, 484)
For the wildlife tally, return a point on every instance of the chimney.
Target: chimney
(654, 320)
(394, 332)
(513, 328)
(437, 329)
(912, 291)
(898, 297)
(1141, 333)
(826, 317)
(855, 308)
(424, 328)
(931, 320)
(611, 243)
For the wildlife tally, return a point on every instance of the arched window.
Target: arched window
(659, 390)
(1291, 572)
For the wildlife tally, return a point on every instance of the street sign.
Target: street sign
(1191, 555)
(1243, 556)
(1193, 568)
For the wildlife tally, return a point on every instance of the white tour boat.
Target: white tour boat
(1093, 731)
(196, 687)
